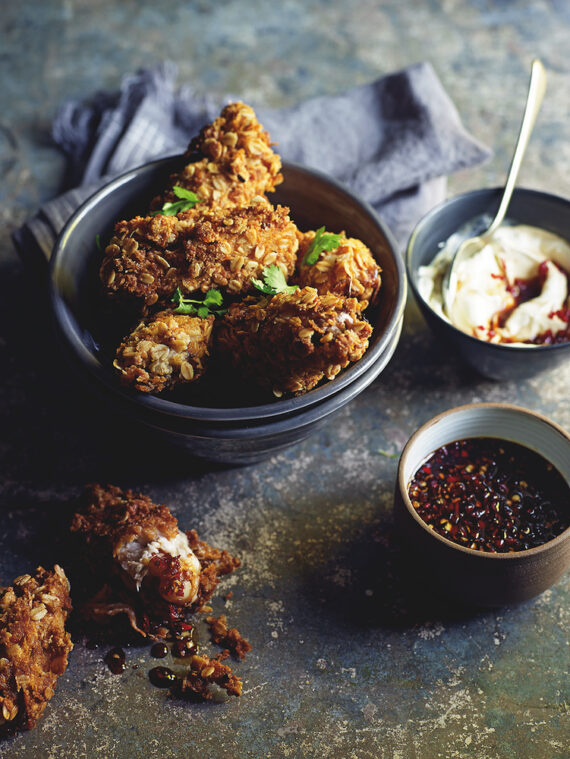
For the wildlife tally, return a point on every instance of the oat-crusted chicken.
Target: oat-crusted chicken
(290, 342)
(165, 350)
(33, 645)
(230, 162)
(349, 270)
(149, 257)
(163, 570)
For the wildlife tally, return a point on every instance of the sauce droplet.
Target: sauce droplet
(162, 677)
(159, 650)
(115, 660)
(183, 648)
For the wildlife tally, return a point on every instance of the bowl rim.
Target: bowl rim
(156, 404)
(410, 271)
(449, 544)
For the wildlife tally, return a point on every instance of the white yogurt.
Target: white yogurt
(484, 281)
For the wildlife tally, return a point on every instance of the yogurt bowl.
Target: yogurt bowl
(528, 207)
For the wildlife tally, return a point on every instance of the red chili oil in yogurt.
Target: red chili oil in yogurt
(491, 495)
(524, 289)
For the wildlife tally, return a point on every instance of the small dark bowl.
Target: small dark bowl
(539, 209)
(465, 575)
(212, 423)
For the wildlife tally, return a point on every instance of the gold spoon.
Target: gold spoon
(473, 245)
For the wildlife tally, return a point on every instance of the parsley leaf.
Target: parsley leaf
(211, 305)
(322, 241)
(188, 199)
(273, 281)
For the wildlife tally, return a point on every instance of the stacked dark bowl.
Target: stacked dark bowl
(219, 426)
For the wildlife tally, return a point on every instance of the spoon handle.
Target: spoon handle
(536, 90)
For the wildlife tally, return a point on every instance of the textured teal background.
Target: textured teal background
(348, 662)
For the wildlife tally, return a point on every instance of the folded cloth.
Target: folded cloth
(393, 142)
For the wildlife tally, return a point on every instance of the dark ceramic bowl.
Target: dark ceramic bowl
(219, 422)
(538, 209)
(466, 575)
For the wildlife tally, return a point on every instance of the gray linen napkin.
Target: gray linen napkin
(393, 142)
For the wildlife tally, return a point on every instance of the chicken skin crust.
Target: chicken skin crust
(34, 645)
(349, 270)
(165, 350)
(290, 342)
(149, 257)
(229, 163)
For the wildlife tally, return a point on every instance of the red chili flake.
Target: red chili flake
(115, 660)
(491, 495)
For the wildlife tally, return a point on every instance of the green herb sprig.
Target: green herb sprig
(323, 241)
(210, 306)
(274, 281)
(188, 199)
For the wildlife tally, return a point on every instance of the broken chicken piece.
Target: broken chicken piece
(164, 572)
(203, 673)
(33, 645)
(229, 639)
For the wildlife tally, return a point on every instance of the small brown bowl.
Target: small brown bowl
(466, 575)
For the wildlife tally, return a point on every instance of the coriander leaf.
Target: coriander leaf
(213, 298)
(177, 297)
(182, 192)
(188, 200)
(322, 241)
(388, 455)
(187, 309)
(273, 281)
(98, 243)
(202, 308)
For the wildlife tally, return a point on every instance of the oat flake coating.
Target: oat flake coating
(349, 270)
(290, 342)
(149, 257)
(33, 645)
(165, 350)
(235, 163)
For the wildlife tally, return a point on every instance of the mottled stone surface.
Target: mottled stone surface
(348, 662)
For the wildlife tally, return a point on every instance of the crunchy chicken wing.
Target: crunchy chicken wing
(150, 257)
(289, 342)
(162, 568)
(348, 270)
(33, 645)
(165, 350)
(233, 163)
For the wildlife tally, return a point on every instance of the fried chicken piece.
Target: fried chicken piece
(230, 639)
(290, 342)
(33, 645)
(165, 350)
(203, 672)
(150, 257)
(233, 162)
(349, 270)
(164, 571)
